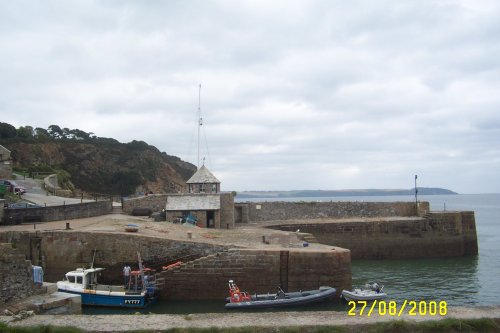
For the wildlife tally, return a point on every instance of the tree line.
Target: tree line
(30, 134)
(53, 132)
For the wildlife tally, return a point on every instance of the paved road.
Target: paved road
(36, 194)
(31, 185)
(51, 200)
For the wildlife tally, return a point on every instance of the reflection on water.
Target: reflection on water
(453, 280)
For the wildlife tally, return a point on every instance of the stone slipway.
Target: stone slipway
(122, 323)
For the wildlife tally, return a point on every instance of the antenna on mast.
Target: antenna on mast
(200, 122)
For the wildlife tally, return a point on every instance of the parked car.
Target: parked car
(19, 190)
(23, 204)
(13, 187)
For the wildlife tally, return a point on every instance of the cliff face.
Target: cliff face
(111, 168)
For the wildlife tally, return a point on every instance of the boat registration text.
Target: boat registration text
(132, 301)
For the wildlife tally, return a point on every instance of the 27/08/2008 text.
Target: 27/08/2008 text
(391, 308)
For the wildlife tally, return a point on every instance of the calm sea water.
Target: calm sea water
(473, 280)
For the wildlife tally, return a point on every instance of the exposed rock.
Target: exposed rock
(108, 168)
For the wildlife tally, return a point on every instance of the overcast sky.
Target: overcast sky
(295, 94)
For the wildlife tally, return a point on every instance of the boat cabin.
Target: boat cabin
(83, 278)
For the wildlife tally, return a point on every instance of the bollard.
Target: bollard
(67, 226)
(190, 234)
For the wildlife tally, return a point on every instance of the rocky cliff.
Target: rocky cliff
(106, 167)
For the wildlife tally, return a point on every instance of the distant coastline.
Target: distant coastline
(343, 193)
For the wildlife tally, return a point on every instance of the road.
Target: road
(36, 194)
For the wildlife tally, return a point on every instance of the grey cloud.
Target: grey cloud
(334, 94)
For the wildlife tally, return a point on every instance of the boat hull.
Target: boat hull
(122, 301)
(362, 296)
(289, 299)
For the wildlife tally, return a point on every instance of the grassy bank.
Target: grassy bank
(445, 325)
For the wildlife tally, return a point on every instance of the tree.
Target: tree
(55, 132)
(79, 134)
(25, 132)
(41, 134)
(125, 182)
(7, 131)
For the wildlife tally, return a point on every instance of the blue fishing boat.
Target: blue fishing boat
(140, 292)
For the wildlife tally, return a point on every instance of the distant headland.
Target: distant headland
(342, 193)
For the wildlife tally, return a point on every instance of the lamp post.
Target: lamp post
(416, 198)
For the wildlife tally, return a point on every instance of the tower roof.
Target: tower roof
(203, 176)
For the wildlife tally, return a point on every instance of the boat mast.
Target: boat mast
(200, 122)
(93, 258)
(141, 268)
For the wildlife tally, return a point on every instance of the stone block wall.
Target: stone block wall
(469, 233)
(51, 184)
(461, 225)
(57, 213)
(440, 234)
(2, 202)
(226, 211)
(61, 251)
(281, 210)
(156, 202)
(16, 275)
(258, 271)
(5, 163)
(223, 218)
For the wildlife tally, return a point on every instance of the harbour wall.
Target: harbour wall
(155, 202)
(283, 210)
(61, 251)
(16, 276)
(56, 213)
(258, 271)
(438, 234)
(203, 276)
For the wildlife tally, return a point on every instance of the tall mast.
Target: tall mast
(200, 122)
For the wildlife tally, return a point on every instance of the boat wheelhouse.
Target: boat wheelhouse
(140, 292)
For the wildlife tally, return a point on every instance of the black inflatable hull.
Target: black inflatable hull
(288, 299)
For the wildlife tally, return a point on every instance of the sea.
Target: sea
(463, 281)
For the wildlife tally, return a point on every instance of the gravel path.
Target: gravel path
(121, 323)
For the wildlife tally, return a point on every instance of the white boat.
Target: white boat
(370, 292)
(84, 282)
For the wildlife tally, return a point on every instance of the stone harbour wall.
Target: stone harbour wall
(2, 203)
(439, 234)
(57, 213)
(226, 220)
(61, 251)
(155, 202)
(283, 210)
(204, 273)
(16, 276)
(258, 271)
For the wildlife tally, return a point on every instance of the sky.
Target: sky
(294, 94)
